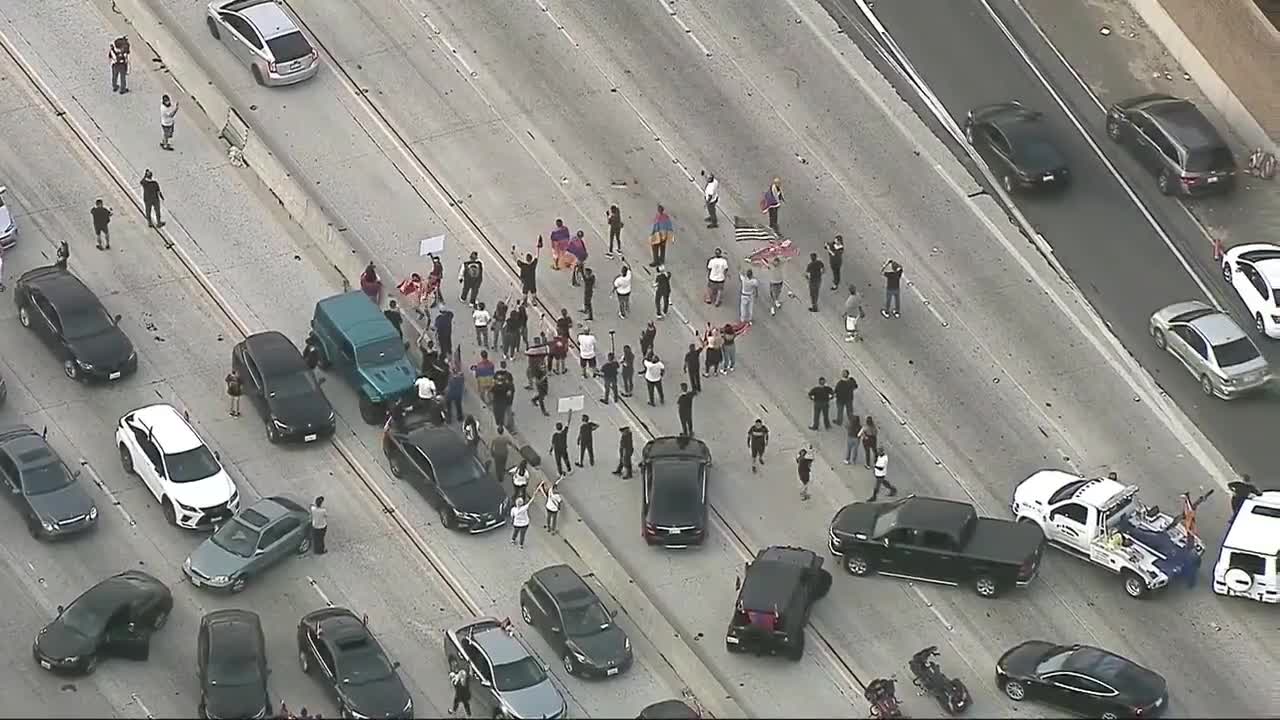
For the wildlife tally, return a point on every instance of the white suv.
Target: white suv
(159, 446)
(1253, 271)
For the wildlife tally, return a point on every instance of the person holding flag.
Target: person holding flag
(559, 243)
(576, 255)
(662, 233)
(771, 202)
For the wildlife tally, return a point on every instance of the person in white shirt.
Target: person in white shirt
(653, 371)
(747, 298)
(553, 508)
(587, 350)
(882, 475)
(622, 288)
(519, 521)
(425, 387)
(168, 110)
(520, 481)
(711, 196)
(481, 319)
(717, 271)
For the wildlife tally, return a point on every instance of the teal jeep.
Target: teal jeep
(353, 338)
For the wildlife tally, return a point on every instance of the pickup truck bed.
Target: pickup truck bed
(1003, 541)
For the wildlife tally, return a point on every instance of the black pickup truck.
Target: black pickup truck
(935, 540)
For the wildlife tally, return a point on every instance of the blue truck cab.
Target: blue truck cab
(356, 341)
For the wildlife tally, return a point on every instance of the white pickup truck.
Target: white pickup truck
(1100, 520)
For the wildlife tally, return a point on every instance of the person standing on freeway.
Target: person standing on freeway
(757, 440)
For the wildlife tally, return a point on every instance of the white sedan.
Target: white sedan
(1254, 271)
(158, 445)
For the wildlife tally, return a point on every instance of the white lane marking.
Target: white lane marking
(559, 25)
(111, 496)
(1088, 138)
(137, 700)
(680, 21)
(453, 52)
(929, 604)
(316, 586)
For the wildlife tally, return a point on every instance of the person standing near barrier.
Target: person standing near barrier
(588, 292)
(101, 215)
(586, 441)
(118, 56)
(151, 198)
(626, 448)
(500, 449)
(168, 121)
(648, 337)
(560, 450)
(609, 372)
(319, 525)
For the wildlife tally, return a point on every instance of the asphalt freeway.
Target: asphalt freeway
(523, 116)
(1099, 234)
(250, 257)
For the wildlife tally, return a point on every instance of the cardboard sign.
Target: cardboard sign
(571, 403)
(431, 246)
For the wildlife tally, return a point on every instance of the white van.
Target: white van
(1247, 564)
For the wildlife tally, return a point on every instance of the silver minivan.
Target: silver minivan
(1212, 347)
(263, 36)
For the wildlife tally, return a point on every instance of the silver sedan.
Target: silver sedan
(1212, 347)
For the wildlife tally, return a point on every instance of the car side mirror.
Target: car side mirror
(15, 490)
(61, 609)
(395, 665)
(217, 456)
(613, 613)
(116, 319)
(76, 473)
(737, 583)
(3, 189)
(259, 551)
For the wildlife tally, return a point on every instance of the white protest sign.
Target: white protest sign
(431, 246)
(571, 403)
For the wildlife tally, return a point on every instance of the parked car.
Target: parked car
(673, 472)
(668, 710)
(116, 618)
(775, 596)
(1253, 271)
(263, 36)
(936, 540)
(507, 678)
(231, 658)
(70, 319)
(357, 341)
(277, 381)
(444, 468)
(560, 605)
(43, 488)
(351, 663)
(1249, 562)
(8, 226)
(258, 537)
(1176, 142)
(1017, 146)
(1082, 679)
(1212, 347)
(158, 445)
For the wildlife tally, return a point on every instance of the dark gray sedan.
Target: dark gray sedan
(42, 486)
(256, 538)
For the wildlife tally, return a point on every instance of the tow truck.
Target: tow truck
(1102, 521)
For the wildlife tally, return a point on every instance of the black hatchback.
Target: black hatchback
(1017, 145)
(69, 318)
(567, 612)
(674, 480)
(1082, 679)
(115, 617)
(279, 383)
(1176, 142)
(231, 656)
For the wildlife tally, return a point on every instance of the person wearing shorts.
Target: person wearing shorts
(587, 350)
(757, 439)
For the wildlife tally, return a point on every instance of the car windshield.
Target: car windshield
(289, 47)
(461, 472)
(84, 322)
(300, 383)
(237, 538)
(523, 673)
(45, 478)
(585, 619)
(194, 464)
(1207, 159)
(380, 352)
(1066, 491)
(886, 521)
(1240, 350)
(360, 662)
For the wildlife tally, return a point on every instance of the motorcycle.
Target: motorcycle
(884, 701)
(950, 693)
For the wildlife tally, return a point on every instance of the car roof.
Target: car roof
(669, 710)
(440, 443)
(58, 285)
(234, 626)
(356, 317)
(773, 575)
(274, 353)
(565, 584)
(124, 588)
(927, 513)
(274, 507)
(497, 644)
(171, 431)
(26, 447)
(1185, 120)
(266, 15)
(676, 447)
(1269, 267)
(338, 624)
(1218, 328)
(1099, 492)
(1256, 528)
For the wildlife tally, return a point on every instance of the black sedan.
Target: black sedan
(1082, 679)
(116, 617)
(278, 382)
(1015, 143)
(674, 507)
(71, 320)
(668, 710)
(42, 486)
(231, 656)
(350, 661)
(446, 471)
(566, 611)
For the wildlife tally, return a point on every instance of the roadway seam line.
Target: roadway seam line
(108, 492)
(687, 30)
(137, 700)
(316, 586)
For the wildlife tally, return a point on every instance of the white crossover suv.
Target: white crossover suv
(159, 446)
(1253, 271)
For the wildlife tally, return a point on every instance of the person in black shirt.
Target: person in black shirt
(63, 255)
(586, 441)
(392, 314)
(626, 448)
(471, 274)
(844, 396)
(528, 271)
(835, 258)
(541, 387)
(692, 360)
(588, 291)
(684, 406)
(504, 393)
(560, 449)
(609, 371)
(101, 215)
(804, 468)
(628, 371)
(151, 197)
(564, 323)
(614, 218)
(892, 288)
(813, 273)
(757, 439)
(662, 295)
(821, 395)
(648, 337)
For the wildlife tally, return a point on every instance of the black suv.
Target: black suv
(115, 617)
(1176, 142)
(674, 505)
(444, 468)
(70, 319)
(936, 540)
(566, 611)
(775, 597)
(231, 657)
(1016, 144)
(280, 384)
(46, 492)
